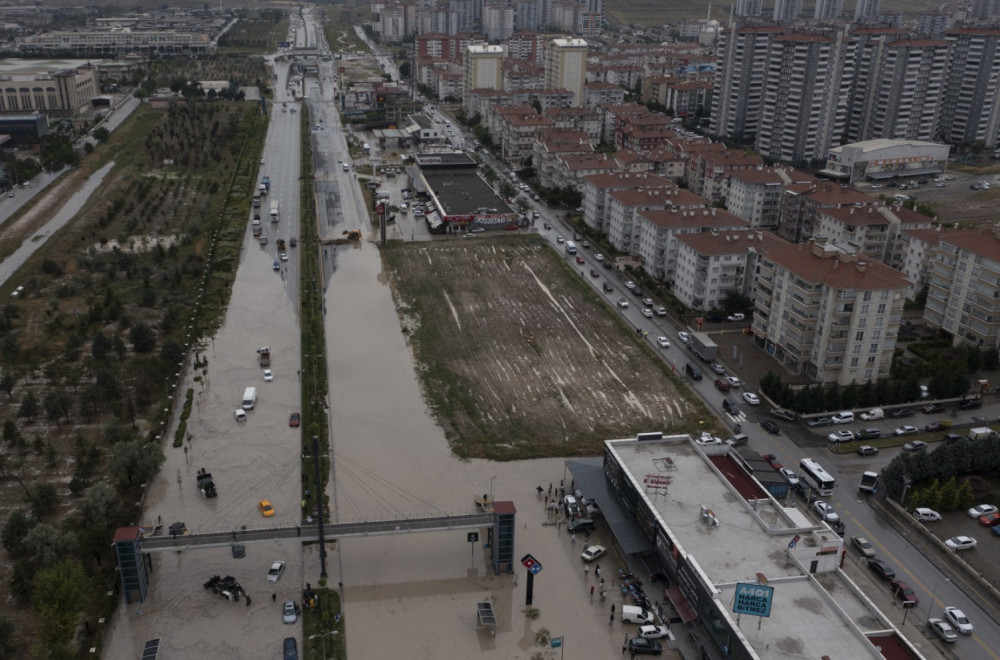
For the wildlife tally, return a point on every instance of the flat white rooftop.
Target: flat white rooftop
(812, 616)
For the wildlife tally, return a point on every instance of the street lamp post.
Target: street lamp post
(933, 595)
(323, 637)
(491, 488)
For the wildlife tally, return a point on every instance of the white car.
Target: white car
(647, 312)
(268, 375)
(751, 398)
(622, 303)
(629, 284)
(981, 510)
(240, 415)
(684, 337)
(663, 342)
(707, 438)
(592, 552)
(906, 430)
(825, 511)
(274, 573)
(598, 257)
(957, 543)
(958, 620)
(841, 436)
(653, 632)
(942, 630)
(926, 515)
(289, 613)
(789, 476)
(733, 381)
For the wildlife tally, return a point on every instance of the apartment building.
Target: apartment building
(869, 230)
(801, 204)
(802, 92)
(755, 194)
(830, 315)
(483, 67)
(550, 143)
(566, 66)
(914, 249)
(712, 265)
(659, 231)
(600, 93)
(741, 69)
(498, 21)
(971, 111)
(622, 208)
(595, 188)
(516, 134)
(963, 292)
(680, 97)
(708, 171)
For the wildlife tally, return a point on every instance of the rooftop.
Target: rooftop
(727, 528)
(814, 263)
(729, 242)
(697, 217)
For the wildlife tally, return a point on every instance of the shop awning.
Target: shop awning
(892, 174)
(680, 604)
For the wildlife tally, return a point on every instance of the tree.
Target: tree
(44, 500)
(15, 529)
(58, 596)
(6, 637)
(101, 134)
(135, 462)
(57, 404)
(101, 507)
(7, 382)
(143, 338)
(29, 406)
(46, 545)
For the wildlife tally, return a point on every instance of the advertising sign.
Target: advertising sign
(753, 599)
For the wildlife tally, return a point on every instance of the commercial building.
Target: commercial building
(963, 294)
(882, 160)
(831, 315)
(566, 66)
(711, 519)
(458, 197)
(36, 87)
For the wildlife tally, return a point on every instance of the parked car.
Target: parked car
(903, 591)
(290, 648)
(902, 412)
(951, 438)
(844, 417)
(592, 552)
(294, 420)
(289, 612)
(738, 316)
(770, 427)
(932, 408)
(910, 430)
(863, 545)
(867, 450)
(990, 519)
(957, 543)
(266, 509)
(924, 514)
(942, 630)
(981, 510)
(268, 375)
(642, 646)
(958, 620)
(818, 422)
(772, 460)
(914, 446)
(789, 476)
(970, 404)
(274, 573)
(707, 438)
(786, 415)
(936, 426)
(653, 632)
(825, 511)
(844, 435)
(868, 434)
(722, 385)
(751, 398)
(881, 569)
(738, 440)
(874, 413)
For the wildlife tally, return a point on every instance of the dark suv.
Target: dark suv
(970, 404)
(580, 525)
(902, 412)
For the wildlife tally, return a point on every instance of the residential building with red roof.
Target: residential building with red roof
(963, 293)
(755, 194)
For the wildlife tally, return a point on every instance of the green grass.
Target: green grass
(317, 624)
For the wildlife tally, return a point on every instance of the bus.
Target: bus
(817, 477)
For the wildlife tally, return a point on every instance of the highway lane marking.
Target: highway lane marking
(914, 580)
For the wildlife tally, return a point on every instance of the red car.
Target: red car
(773, 461)
(936, 426)
(580, 260)
(294, 420)
(990, 519)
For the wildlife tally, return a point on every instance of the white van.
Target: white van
(874, 413)
(844, 417)
(633, 614)
(240, 415)
(249, 398)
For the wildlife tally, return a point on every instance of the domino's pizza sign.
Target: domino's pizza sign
(532, 564)
(754, 599)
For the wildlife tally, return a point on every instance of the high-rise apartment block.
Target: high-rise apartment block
(963, 294)
(483, 67)
(797, 93)
(566, 66)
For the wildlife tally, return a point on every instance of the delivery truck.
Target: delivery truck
(706, 349)
(274, 210)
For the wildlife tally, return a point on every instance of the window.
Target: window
(854, 362)
(873, 348)
(881, 308)
(859, 336)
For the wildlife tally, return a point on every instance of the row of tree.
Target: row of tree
(937, 476)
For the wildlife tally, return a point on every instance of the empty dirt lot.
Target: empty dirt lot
(519, 358)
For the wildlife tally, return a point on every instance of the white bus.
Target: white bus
(817, 477)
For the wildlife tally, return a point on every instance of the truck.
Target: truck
(264, 356)
(249, 398)
(281, 244)
(869, 482)
(703, 347)
(274, 211)
(256, 228)
(570, 247)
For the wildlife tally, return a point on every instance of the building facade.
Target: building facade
(963, 293)
(566, 66)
